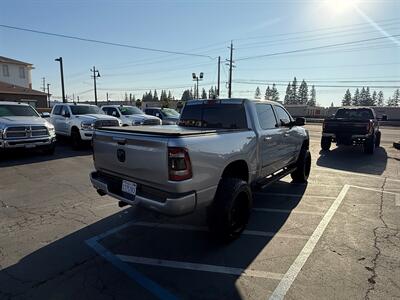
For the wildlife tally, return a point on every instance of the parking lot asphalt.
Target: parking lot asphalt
(335, 238)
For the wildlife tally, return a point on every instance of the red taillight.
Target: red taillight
(179, 166)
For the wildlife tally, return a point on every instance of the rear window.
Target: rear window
(219, 116)
(359, 114)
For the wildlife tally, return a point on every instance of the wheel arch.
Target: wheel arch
(237, 169)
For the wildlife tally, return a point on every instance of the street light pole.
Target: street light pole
(95, 75)
(62, 77)
(48, 93)
(197, 79)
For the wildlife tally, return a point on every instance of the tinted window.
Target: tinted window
(227, 116)
(282, 114)
(64, 110)
(57, 110)
(17, 111)
(266, 116)
(84, 109)
(130, 110)
(359, 113)
(150, 111)
(170, 113)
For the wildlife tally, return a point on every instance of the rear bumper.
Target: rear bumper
(163, 202)
(27, 143)
(347, 139)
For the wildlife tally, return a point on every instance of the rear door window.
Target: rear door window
(57, 110)
(266, 116)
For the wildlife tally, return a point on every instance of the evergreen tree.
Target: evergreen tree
(169, 95)
(203, 94)
(257, 94)
(155, 96)
(313, 97)
(303, 93)
(268, 94)
(293, 94)
(363, 97)
(347, 98)
(288, 96)
(274, 93)
(356, 98)
(381, 99)
(395, 100)
(368, 98)
(211, 93)
(138, 103)
(374, 98)
(187, 95)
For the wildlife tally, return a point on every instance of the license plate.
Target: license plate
(129, 187)
(30, 146)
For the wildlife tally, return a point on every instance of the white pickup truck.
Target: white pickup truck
(130, 115)
(78, 121)
(217, 153)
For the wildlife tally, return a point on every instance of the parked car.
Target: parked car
(78, 121)
(168, 116)
(352, 126)
(130, 115)
(220, 150)
(21, 126)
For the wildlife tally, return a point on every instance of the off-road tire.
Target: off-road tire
(303, 167)
(76, 139)
(230, 211)
(326, 143)
(369, 145)
(378, 140)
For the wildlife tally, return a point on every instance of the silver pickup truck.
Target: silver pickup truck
(218, 152)
(21, 126)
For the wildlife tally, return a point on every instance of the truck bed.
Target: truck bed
(169, 130)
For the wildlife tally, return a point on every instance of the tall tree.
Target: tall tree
(395, 100)
(368, 98)
(293, 95)
(257, 94)
(381, 99)
(268, 94)
(211, 93)
(313, 97)
(203, 94)
(374, 98)
(288, 96)
(274, 93)
(347, 98)
(303, 93)
(356, 98)
(155, 96)
(187, 95)
(169, 95)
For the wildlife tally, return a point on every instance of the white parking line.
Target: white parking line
(288, 211)
(397, 200)
(199, 267)
(289, 277)
(204, 228)
(293, 195)
(355, 173)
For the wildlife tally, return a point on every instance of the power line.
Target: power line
(316, 48)
(104, 42)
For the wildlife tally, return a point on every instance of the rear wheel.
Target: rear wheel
(326, 143)
(378, 140)
(369, 145)
(303, 167)
(229, 214)
(76, 139)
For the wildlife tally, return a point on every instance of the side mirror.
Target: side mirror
(45, 115)
(384, 118)
(286, 123)
(300, 122)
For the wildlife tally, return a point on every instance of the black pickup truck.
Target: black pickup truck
(352, 126)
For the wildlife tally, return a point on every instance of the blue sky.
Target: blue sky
(204, 27)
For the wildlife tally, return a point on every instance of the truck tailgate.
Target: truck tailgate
(138, 157)
(348, 127)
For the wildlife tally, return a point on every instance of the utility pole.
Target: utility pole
(107, 97)
(94, 76)
(62, 77)
(44, 84)
(219, 74)
(48, 93)
(230, 72)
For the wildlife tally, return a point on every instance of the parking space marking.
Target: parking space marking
(294, 195)
(205, 229)
(374, 190)
(199, 267)
(288, 211)
(355, 173)
(132, 273)
(397, 200)
(289, 277)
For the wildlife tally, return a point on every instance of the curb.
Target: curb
(396, 145)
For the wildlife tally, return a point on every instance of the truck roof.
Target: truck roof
(230, 100)
(73, 104)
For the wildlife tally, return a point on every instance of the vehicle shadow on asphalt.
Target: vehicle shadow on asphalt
(353, 159)
(17, 157)
(68, 267)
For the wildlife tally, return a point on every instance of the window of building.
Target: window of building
(6, 72)
(22, 72)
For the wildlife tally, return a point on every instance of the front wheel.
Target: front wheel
(326, 143)
(76, 139)
(229, 214)
(303, 167)
(369, 145)
(49, 150)
(378, 140)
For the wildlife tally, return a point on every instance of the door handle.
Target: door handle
(120, 141)
(267, 138)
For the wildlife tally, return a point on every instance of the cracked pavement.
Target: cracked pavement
(48, 209)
